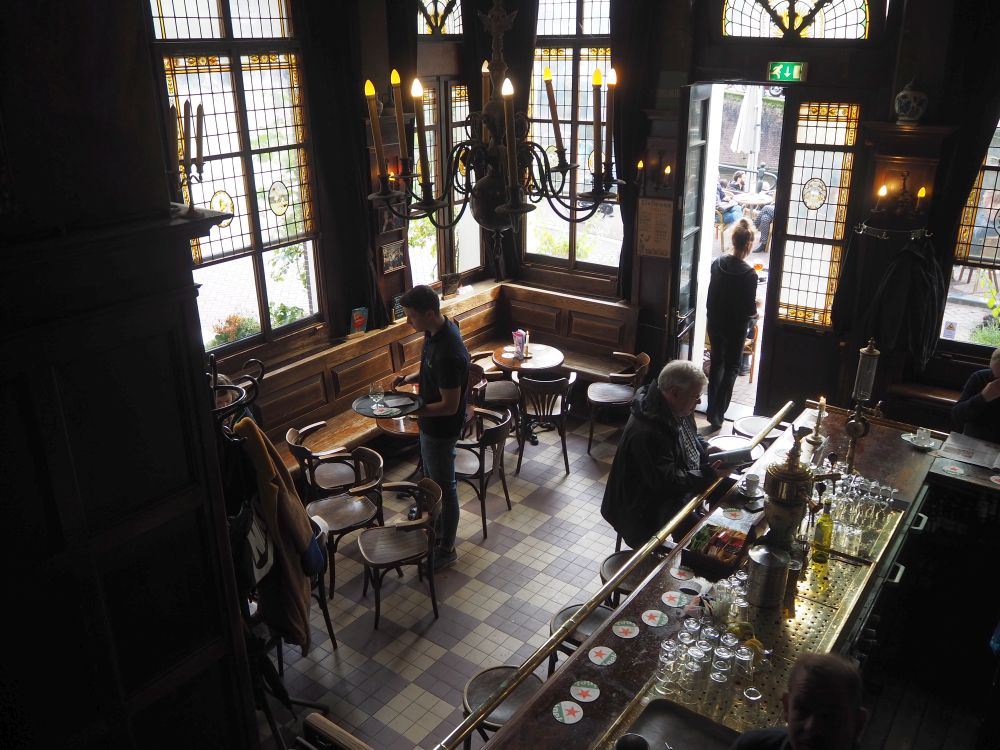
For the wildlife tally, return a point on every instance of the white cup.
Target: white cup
(750, 483)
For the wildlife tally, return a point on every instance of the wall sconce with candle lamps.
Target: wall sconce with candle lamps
(497, 172)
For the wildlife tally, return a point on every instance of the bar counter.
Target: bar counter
(830, 606)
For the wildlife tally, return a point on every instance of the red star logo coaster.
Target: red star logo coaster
(675, 599)
(584, 691)
(602, 655)
(625, 629)
(567, 712)
(655, 618)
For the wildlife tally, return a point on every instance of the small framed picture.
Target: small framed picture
(388, 221)
(398, 313)
(393, 257)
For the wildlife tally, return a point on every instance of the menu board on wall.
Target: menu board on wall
(653, 227)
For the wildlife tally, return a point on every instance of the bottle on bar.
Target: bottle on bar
(823, 537)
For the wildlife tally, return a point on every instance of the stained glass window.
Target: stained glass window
(823, 161)
(582, 30)
(437, 17)
(814, 19)
(422, 236)
(257, 270)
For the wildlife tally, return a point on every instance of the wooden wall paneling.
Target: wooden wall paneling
(602, 332)
(409, 349)
(537, 317)
(351, 379)
(286, 404)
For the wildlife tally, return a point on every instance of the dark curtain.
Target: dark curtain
(401, 28)
(973, 104)
(631, 21)
(333, 82)
(519, 53)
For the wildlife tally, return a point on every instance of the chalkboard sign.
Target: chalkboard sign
(398, 313)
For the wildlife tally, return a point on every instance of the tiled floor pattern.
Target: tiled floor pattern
(401, 686)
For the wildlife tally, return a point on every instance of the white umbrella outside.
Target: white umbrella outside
(746, 136)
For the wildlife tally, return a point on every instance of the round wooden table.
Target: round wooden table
(542, 357)
(753, 200)
(400, 426)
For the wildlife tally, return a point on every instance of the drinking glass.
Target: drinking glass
(742, 609)
(666, 683)
(722, 659)
(692, 626)
(750, 713)
(744, 658)
(376, 392)
(711, 635)
(716, 702)
(729, 640)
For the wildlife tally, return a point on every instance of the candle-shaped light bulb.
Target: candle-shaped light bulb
(487, 91)
(186, 153)
(199, 139)
(610, 125)
(667, 170)
(865, 377)
(376, 127)
(507, 92)
(882, 192)
(175, 143)
(641, 165)
(596, 80)
(922, 193)
(397, 102)
(553, 112)
(822, 405)
(417, 92)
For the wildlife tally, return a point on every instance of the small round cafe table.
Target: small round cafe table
(541, 358)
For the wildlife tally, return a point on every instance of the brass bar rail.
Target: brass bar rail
(470, 722)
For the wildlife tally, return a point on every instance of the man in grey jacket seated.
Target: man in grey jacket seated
(661, 461)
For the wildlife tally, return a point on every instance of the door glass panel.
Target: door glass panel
(686, 259)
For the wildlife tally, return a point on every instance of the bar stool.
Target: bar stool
(613, 563)
(582, 632)
(482, 685)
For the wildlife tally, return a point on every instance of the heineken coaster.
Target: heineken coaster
(625, 629)
(733, 514)
(567, 712)
(675, 599)
(655, 618)
(584, 691)
(682, 573)
(602, 656)
(952, 469)
(995, 479)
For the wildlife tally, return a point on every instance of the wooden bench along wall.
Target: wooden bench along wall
(323, 385)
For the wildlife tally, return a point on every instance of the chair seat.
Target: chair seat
(485, 683)
(610, 393)
(585, 629)
(343, 512)
(502, 392)
(613, 563)
(335, 474)
(385, 545)
(467, 463)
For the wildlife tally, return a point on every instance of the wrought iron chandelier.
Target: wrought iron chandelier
(496, 171)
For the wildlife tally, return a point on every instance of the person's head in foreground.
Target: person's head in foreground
(422, 308)
(823, 704)
(680, 382)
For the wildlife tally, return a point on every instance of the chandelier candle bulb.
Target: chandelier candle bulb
(507, 91)
(608, 153)
(553, 111)
(882, 192)
(922, 193)
(417, 92)
(397, 101)
(199, 139)
(186, 153)
(175, 143)
(376, 128)
(596, 81)
(487, 91)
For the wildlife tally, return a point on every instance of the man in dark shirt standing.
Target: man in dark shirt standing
(443, 379)
(977, 410)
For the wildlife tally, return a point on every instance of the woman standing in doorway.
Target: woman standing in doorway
(732, 294)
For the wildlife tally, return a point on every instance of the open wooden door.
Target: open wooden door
(681, 315)
(811, 231)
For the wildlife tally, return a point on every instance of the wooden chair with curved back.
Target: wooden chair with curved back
(477, 461)
(347, 509)
(405, 542)
(500, 393)
(324, 473)
(620, 388)
(544, 402)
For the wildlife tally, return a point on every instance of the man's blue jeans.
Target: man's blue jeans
(438, 455)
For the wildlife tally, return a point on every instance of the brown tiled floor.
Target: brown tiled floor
(401, 686)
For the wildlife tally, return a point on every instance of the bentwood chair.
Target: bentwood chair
(474, 394)
(500, 393)
(477, 461)
(319, 732)
(486, 682)
(406, 542)
(620, 388)
(543, 402)
(580, 633)
(324, 473)
(357, 506)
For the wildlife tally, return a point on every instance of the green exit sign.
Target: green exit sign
(786, 72)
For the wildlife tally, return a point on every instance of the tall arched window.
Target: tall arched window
(813, 19)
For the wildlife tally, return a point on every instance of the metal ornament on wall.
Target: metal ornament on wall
(496, 172)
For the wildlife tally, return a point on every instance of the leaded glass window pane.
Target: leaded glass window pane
(761, 19)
